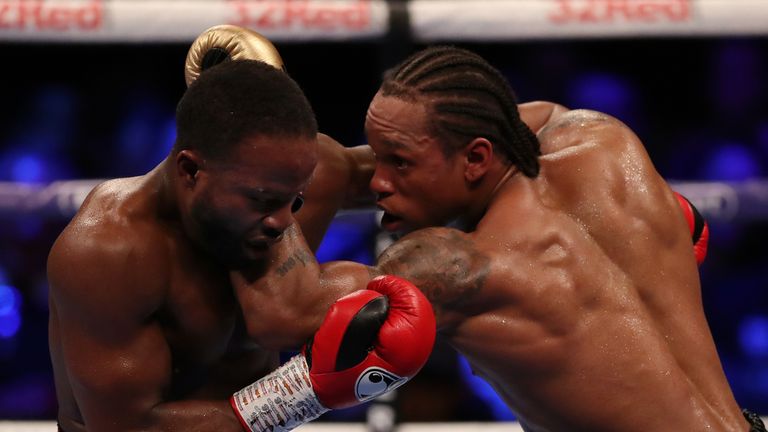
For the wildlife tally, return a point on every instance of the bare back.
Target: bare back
(139, 318)
(577, 296)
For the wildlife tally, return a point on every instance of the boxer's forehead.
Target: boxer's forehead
(392, 123)
(272, 164)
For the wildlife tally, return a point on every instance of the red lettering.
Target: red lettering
(617, 7)
(566, 13)
(323, 19)
(265, 20)
(588, 11)
(58, 19)
(29, 14)
(680, 13)
(4, 8)
(294, 10)
(358, 17)
(90, 17)
(241, 11)
(304, 13)
(42, 15)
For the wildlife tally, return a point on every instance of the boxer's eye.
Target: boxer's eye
(399, 162)
(298, 203)
(268, 204)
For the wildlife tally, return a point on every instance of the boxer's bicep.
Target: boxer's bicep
(116, 355)
(120, 382)
(445, 264)
(115, 352)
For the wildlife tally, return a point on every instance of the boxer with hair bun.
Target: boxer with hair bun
(145, 331)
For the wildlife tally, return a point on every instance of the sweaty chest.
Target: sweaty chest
(199, 317)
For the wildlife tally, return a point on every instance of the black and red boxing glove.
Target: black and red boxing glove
(370, 342)
(697, 225)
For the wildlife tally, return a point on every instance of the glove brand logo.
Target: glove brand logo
(375, 381)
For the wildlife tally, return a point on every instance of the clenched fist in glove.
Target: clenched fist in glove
(228, 42)
(370, 342)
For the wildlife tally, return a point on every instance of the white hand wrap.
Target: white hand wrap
(280, 401)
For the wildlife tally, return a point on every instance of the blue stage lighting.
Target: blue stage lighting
(603, 92)
(484, 391)
(144, 136)
(27, 168)
(731, 162)
(348, 238)
(168, 137)
(10, 311)
(753, 336)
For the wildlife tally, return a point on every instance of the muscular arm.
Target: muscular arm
(445, 264)
(114, 351)
(340, 180)
(288, 300)
(284, 303)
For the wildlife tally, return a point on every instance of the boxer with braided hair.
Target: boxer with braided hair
(561, 267)
(467, 105)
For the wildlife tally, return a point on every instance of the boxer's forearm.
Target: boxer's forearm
(230, 373)
(185, 415)
(340, 180)
(284, 303)
(363, 163)
(193, 416)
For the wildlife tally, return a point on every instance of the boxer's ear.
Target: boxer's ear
(478, 155)
(188, 164)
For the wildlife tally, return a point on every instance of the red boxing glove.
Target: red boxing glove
(370, 342)
(349, 364)
(697, 225)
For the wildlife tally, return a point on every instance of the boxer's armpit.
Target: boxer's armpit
(444, 263)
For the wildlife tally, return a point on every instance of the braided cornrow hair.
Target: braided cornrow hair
(469, 98)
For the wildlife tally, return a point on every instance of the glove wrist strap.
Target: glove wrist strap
(280, 401)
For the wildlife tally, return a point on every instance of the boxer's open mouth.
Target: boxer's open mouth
(391, 222)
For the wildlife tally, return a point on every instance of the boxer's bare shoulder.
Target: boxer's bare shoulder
(580, 130)
(584, 149)
(445, 263)
(537, 114)
(104, 245)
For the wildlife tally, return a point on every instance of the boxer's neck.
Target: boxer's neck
(163, 179)
(469, 220)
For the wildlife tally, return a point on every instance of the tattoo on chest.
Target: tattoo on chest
(299, 256)
(447, 267)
